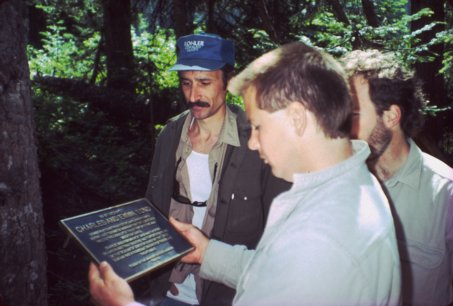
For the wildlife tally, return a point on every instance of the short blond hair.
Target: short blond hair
(239, 83)
(296, 72)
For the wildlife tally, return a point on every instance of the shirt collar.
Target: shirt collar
(228, 135)
(410, 173)
(311, 180)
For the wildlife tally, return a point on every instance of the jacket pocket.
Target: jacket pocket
(245, 214)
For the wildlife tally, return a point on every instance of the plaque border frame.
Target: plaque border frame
(74, 235)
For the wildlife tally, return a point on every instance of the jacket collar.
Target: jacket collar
(230, 130)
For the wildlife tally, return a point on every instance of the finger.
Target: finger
(93, 273)
(94, 279)
(105, 270)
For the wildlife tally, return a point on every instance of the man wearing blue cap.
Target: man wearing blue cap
(202, 171)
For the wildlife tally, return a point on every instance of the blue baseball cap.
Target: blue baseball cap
(205, 52)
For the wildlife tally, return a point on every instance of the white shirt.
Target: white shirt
(200, 189)
(329, 240)
(422, 195)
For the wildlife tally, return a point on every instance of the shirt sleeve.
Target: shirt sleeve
(449, 230)
(225, 263)
(135, 304)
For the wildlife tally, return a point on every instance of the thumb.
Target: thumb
(180, 226)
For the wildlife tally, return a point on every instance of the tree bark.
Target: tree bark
(22, 246)
(118, 44)
(370, 13)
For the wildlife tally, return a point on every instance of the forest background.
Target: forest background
(91, 92)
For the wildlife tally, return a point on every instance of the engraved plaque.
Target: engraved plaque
(134, 237)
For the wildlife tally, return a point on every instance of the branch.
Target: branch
(341, 16)
(339, 12)
(267, 21)
(97, 60)
(113, 102)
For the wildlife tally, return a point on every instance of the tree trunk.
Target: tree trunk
(118, 44)
(429, 72)
(211, 26)
(434, 83)
(370, 13)
(22, 248)
(182, 10)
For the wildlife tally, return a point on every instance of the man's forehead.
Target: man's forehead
(359, 79)
(249, 93)
(249, 97)
(198, 74)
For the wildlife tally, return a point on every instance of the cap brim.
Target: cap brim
(179, 67)
(201, 65)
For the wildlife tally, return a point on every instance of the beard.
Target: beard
(379, 140)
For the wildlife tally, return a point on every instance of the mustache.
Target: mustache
(198, 103)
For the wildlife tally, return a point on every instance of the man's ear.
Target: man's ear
(392, 116)
(227, 78)
(298, 117)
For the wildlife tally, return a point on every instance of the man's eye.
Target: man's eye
(205, 83)
(356, 114)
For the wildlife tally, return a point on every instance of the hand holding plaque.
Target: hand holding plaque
(134, 238)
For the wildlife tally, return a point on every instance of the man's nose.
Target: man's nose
(194, 94)
(253, 141)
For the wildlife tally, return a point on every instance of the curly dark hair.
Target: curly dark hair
(391, 83)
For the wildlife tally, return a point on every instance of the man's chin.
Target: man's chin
(281, 175)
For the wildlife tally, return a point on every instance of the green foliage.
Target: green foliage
(264, 41)
(330, 34)
(154, 54)
(88, 147)
(85, 143)
(63, 54)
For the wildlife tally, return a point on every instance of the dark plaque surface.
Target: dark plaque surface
(134, 237)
